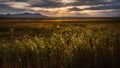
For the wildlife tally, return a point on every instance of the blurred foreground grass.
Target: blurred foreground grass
(82, 46)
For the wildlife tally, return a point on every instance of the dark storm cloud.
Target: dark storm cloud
(17, 6)
(107, 4)
(47, 3)
(14, 0)
(96, 2)
(117, 7)
(55, 3)
(74, 9)
(5, 8)
(19, 0)
(99, 7)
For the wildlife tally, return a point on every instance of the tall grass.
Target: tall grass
(86, 46)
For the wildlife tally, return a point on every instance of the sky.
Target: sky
(63, 8)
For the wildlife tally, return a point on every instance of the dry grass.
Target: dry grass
(61, 46)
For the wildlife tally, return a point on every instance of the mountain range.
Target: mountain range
(37, 15)
(23, 15)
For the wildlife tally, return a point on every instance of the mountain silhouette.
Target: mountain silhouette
(23, 15)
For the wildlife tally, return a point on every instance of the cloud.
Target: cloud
(18, 5)
(7, 9)
(56, 8)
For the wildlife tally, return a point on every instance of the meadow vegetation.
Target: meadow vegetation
(61, 46)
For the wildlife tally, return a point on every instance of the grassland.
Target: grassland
(28, 43)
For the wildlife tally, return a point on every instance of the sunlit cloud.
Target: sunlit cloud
(59, 8)
(18, 5)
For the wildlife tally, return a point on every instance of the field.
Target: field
(60, 43)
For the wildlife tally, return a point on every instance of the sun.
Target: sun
(68, 1)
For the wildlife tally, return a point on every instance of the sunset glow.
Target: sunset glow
(79, 8)
(68, 1)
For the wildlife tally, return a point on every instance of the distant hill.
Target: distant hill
(37, 15)
(23, 15)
